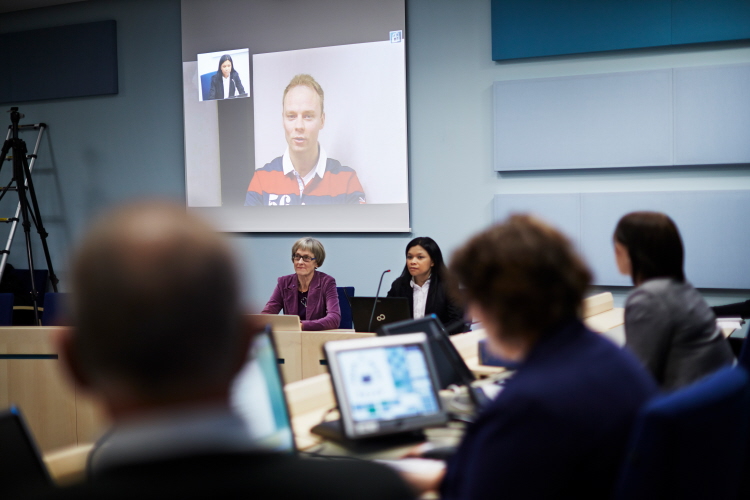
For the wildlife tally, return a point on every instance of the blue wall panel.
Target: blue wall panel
(533, 28)
(711, 223)
(695, 21)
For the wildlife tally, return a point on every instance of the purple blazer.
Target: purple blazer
(323, 312)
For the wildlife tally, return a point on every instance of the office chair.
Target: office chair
(6, 309)
(690, 444)
(54, 309)
(346, 310)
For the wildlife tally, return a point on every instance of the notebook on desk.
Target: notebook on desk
(388, 310)
(384, 386)
(279, 322)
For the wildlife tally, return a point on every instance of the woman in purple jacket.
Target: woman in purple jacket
(309, 294)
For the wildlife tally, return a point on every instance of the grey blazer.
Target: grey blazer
(673, 332)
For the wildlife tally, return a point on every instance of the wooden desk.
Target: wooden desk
(58, 413)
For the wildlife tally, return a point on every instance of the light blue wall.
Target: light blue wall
(113, 148)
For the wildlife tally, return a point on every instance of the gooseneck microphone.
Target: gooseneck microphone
(374, 304)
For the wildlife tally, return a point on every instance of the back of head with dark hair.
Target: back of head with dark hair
(155, 303)
(524, 274)
(654, 246)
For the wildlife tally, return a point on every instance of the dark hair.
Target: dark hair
(156, 303)
(433, 250)
(524, 274)
(226, 57)
(654, 246)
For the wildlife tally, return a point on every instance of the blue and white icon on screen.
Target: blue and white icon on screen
(396, 36)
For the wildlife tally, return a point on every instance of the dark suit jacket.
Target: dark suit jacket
(437, 301)
(560, 426)
(323, 311)
(243, 476)
(217, 87)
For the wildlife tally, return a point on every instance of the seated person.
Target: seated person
(560, 426)
(226, 82)
(423, 283)
(304, 174)
(668, 325)
(158, 338)
(308, 293)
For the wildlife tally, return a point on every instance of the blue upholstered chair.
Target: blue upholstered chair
(206, 84)
(55, 312)
(690, 444)
(346, 309)
(6, 309)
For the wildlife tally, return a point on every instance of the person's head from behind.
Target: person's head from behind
(647, 246)
(303, 114)
(155, 311)
(521, 279)
(226, 65)
(423, 259)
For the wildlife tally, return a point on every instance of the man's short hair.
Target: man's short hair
(307, 81)
(523, 273)
(155, 303)
(311, 245)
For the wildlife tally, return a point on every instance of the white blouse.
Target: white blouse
(420, 297)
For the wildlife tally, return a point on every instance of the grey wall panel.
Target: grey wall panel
(592, 121)
(712, 114)
(712, 224)
(562, 210)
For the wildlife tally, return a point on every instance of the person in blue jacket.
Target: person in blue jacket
(560, 426)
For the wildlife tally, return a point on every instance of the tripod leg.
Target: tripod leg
(37, 218)
(19, 157)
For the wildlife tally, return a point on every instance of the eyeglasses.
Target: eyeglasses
(305, 258)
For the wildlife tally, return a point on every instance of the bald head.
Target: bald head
(155, 304)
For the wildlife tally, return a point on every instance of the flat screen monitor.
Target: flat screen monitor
(21, 465)
(384, 385)
(450, 365)
(295, 114)
(257, 395)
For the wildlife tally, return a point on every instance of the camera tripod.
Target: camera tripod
(28, 211)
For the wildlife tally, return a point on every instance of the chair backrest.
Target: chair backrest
(346, 310)
(690, 444)
(6, 309)
(55, 310)
(206, 84)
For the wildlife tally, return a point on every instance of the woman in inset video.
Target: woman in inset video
(668, 325)
(226, 82)
(307, 293)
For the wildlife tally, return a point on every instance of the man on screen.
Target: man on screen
(304, 175)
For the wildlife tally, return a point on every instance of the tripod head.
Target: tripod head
(15, 117)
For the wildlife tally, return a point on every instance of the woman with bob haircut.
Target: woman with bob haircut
(560, 426)
(308, 293)
(668, 325)
(423, 283)
(226, 82)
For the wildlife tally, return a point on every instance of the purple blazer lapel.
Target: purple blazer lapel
(290, 296)
(315, 297)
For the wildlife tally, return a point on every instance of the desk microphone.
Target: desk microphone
(374, 304)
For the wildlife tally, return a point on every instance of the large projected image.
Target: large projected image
(319, 142)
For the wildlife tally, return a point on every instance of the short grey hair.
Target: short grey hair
(311, 245)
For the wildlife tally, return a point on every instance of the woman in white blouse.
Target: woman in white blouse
(423, 283)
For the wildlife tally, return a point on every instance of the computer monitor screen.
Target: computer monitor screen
(258, 397)
(451, 367)
(20, 462)
(384, 385)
